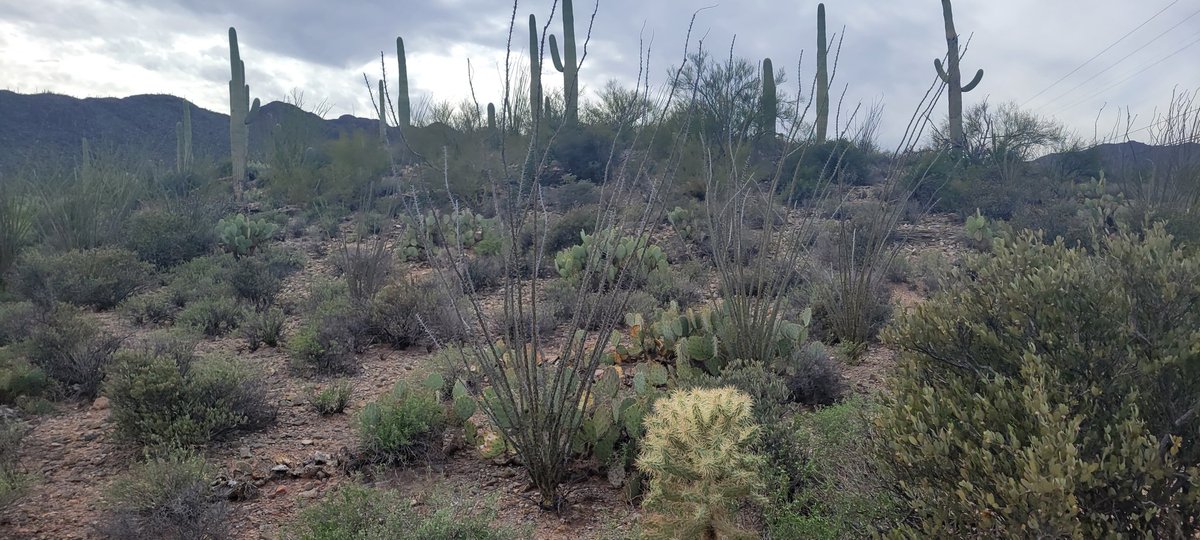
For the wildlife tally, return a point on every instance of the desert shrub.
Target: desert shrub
(150, 308)
(483, 273)
(584, 151)
(15, 320)
(402, 424)
(99, 278)
(20, 380)
(367, 513)
(263, 327)
(679, 284)
(835, 161)
(572, 195)
(12, 481)
(16, 227)
(335, 332)
(164, 401)
(565, 231)
(1052, 391)
(167, 238)
(842, 494)
(333, 398)
(365, 266)
(394, 315)
(811, 375)
(698, 454)
(166, 498)
(212, 316)
(930, 268)
(202, 277)
(71, 350)
(846, 308)
(254, 281)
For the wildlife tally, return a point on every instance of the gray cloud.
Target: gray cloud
(97, 47)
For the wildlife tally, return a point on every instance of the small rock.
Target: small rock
(310, 494)
(281, 490)
(100, 404)
(321, 458)
(306, 442)
(279, 469)
(245, 453)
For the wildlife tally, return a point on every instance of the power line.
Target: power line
(1138, 72)
(1118, 62)
(1106, 49)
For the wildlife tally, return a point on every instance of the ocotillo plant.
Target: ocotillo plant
(241, 114)
(403, 110)
(183, 140)
(953, 78)
(768, 109)
(535, 75)
(567, 64)
(822, 127)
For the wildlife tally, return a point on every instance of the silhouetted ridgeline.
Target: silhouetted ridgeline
(47, 128)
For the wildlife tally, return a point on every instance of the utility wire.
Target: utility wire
(1139, 72)
(1106, 49)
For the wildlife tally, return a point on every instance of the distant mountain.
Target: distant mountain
(40, 128)
(1119, 160)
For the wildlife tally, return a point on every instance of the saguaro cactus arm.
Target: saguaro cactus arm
(567, 63)
(535, 73)
(822, 126)
(769, 108)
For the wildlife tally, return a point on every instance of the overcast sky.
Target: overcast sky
(123, 47)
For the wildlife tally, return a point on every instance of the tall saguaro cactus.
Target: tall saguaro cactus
(241, 114)
(568, 64)
(822, 127)
(953, 78)
(403, 110)
(768, 109)
(535, 75)
(382, 114)
(183, 140)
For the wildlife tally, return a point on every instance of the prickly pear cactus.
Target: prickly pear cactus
(611, 253)
(242, 236)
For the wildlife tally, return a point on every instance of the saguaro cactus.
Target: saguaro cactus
(822, 127)
(403, 110)
(382, 114)
(567, 64)
(768, 109)
(953, 78)
(183, 140)
(241, 114)
(535, 75)
(491, 117)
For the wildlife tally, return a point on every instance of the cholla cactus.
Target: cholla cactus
(242, 236)
(699, 458)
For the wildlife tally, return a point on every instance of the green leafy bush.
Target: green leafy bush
(402, 424)
(212, 316)
(333, 398)
(263, 327)
(202, 277)
(15, 320)
(71, 350)
(20, 380)
(698, 454)
(165, 400)
(12, 481)
(167, 238)
(150, 308)
(335, 332)
(366, 513)
(1052, 391)
(167, 498)
(99, 278)
(254, 281)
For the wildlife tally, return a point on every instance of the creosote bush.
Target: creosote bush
(166, 498)
(212, 316)
(100, 278)
(72, 350)
(166, 238)
(367, 513)
(698, 454)
(403, 424)
(1049, 391)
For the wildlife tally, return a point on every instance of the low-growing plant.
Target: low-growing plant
(263, 327)
(243, 236)
(72, 350)
(401, 425)
(15, 321)
(166, 497)
(20, 380)
(370, 513)
(202, 277)
(99, 278)
(335, 332)
(254, 281)
(698, 454)
(212, 316)
(333, 398)
(611, 254)
(150, 308)
(13, 482)
(166, 238)
(165, 401)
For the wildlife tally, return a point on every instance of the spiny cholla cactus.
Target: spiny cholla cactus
(953, 78)
(698, 455)
(242, 236)
(567, 63)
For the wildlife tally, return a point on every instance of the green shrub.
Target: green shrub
(72, 350)
(15, 320)
(202, 277)
(13, 482)
(99, 278)
(150, 308)
(400, 425)
(1047, 390)
(165, 400)
(20, 380)
(335, 332)
(402, 315)
(333, 398)
(698, 454)
(166, 498)
(254, 281)
(167, 238)
(16, 228)
(263, 327)
(366, 513)
(212, 316)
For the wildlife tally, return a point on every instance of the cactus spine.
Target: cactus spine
(403, 110)
(822, 126)
(567, 64)
(241, 114)
(953, 78)
(183, 140)
(769, 108)
(535, 76)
